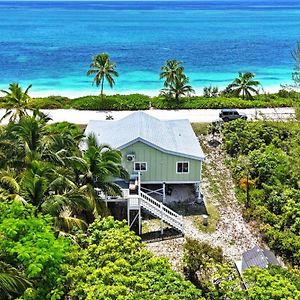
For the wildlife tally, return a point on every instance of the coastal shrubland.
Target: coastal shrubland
(218, 279)
(114, 264)
(143, 102)
(273, 166)
(107, 261)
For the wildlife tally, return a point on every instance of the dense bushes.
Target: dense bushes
(272, 283)
(223, 102)
(218, 278)
(115, 102)
(107, 262)
(29, 244)
(115, 265)
(272, 151)
(142, 102)
(51, 102)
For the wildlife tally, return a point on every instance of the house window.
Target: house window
(140, 166)
(182, 167)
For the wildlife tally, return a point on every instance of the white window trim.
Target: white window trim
(183, 173)
(140, 162)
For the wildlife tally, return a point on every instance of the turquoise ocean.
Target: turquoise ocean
(50, 44)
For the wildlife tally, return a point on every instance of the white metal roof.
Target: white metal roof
(171, 136)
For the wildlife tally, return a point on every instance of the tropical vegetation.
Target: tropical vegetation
(103, 69)
(284, 98)
(57, 241)
(114, 264)
(43, 165)
(244, 85)
(268, 180)
(210, 92)
(218, 279)
(17, 99)
(176, 83)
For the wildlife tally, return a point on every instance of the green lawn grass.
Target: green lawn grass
(213, 219)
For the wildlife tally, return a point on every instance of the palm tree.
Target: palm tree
(103, 68)
(179, 87)
(10, 188)
(245, 85)
(170, 71)
(176, 82)
(45, 172)
(50, 172)
(17, 99)
(104, 164)
(12, 283)
(49, 191)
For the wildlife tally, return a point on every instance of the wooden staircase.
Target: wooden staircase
(157, 209)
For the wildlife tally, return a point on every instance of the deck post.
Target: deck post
(161, 220)
(199, 191)
(140, 218)
(200, 182)
(139, 183)
(164, 192)
(128, 211)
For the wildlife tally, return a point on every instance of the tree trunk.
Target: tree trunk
(247, 192)
(176, 98)
(102, 86)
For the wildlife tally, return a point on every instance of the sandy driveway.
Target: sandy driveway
(233, 234)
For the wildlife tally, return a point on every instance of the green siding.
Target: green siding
(160, 166)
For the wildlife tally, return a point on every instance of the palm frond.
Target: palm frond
(12, 283)
(67, 223)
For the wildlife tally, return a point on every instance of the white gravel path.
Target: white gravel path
(194, 115)
(232, 234)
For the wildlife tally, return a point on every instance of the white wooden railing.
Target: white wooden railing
(158, 209)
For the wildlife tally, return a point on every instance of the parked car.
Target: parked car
(231, 114)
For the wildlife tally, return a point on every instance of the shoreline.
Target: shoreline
(150, 93)
(72, 94)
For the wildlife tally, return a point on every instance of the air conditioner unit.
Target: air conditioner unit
(130, 157)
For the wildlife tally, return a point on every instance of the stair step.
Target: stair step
(159, 210)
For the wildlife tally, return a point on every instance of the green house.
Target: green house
(162, 152)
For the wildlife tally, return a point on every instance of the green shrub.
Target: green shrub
(51, 102)
(272, 283)
(197, 259)
(114, 102)
(28, 243)
(273, 152)
(116, 265)
(142, 102)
